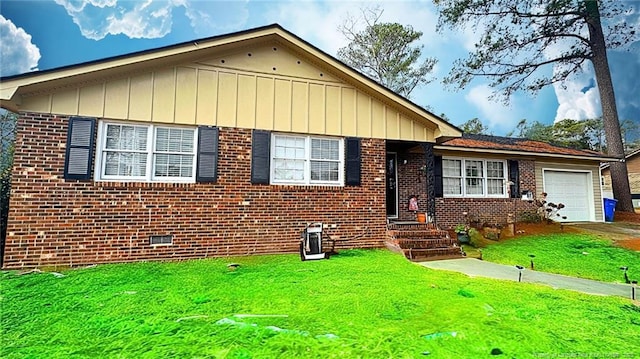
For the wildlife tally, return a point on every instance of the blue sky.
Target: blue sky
(45, 34)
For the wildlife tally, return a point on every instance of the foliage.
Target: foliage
(549, 211)
(475, 126)
(8, 122)
(572, 254)
(520, 40)
(529, 217)
(580, 134)
(383, 51)
(359, 304)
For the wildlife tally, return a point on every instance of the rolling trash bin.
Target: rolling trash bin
(609, 209)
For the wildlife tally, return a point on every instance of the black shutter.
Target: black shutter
(353, 161)
(207, 164)
(437, 169)
(514, 176)
(79, 152)
(260, 157)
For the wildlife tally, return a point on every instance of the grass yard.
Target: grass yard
(573, 254)
(359, 304)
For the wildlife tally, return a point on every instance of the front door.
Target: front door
(392, 184)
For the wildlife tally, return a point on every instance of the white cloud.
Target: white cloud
(99, 18)
(212, 17)
(152, 19)
(498, 115)
(18, 54)
(578, 98)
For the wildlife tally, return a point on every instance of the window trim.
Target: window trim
(485, 178)
(307, 161)
(149, 176)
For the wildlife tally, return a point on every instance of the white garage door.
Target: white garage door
(571, 189)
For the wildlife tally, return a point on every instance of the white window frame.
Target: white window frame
(100, 159)
(307, 161)
(485, 179)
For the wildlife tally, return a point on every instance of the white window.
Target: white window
(306, 160)
(473, 178)
(151, 153)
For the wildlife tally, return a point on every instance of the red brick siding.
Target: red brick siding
(450, 211)
(57, 222)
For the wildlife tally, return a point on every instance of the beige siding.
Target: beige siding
(267, 87)
(140, 97)
(595, 177)
(187, 87)
(92, 100)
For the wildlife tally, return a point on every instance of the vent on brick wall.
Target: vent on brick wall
(163, 239)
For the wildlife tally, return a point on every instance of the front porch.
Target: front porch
(421, 241)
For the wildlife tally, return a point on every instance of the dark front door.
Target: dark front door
(392, 185)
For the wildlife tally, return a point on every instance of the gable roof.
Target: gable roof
(12, 87)
(519, 146)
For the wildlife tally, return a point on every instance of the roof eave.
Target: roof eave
(526, 153)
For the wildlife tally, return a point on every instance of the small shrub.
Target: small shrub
(529, 217)
(475, 238)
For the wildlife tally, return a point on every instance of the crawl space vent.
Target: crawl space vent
(163, 239)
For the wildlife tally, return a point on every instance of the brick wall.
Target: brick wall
(451, 211)
(53, 221)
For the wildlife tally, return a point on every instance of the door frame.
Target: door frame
(395, 178)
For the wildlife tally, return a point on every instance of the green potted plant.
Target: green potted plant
(462, 232)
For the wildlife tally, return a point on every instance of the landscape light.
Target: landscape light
(520, 268)
(626, 277)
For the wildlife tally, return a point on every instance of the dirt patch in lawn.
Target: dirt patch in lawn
(624, 231)
(527, 229)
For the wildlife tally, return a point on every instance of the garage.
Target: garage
(574, 190)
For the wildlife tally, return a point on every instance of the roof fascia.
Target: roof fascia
(524, 153)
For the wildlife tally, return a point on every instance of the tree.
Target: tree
(475, 126)
(383, 51)
(519, 39)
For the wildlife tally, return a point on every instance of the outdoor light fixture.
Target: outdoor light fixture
(626, 277)
(532, 256)
(520, 268)
(527, 196)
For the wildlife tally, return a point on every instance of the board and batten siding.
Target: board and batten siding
(267, 88)
(595, 179)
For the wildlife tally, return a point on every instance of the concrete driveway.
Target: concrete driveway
(624, 234)
(615, 230)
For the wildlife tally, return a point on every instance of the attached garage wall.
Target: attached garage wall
(593, 185)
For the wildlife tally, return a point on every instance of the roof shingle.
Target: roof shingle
(515, 144)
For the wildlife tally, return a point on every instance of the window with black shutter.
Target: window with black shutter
(79, 152)
(353, 162)
(207, 163)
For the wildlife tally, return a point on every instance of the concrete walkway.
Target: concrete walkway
(477, 268)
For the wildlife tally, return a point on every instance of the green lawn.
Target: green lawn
(359, 304)
(579, 255)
